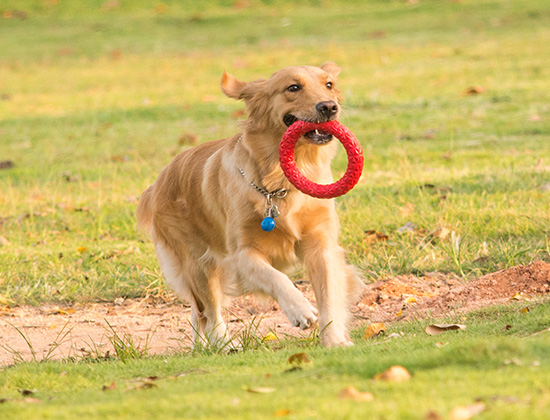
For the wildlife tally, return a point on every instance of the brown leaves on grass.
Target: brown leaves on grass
(372, 236)
(466, 412)
(474, 90)
(393, 374)
(298, 359)
(353, 393)
(259, 390)
(374, 330)
(436, 329)
(6, 164)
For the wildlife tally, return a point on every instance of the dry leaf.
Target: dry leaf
(372, 236)
(259, 390)
(188, 139)
(466, 412)
(436, 329)
(440, 232)
(353, 393)
(270, 336)
(374, 330)
(525, 310)
(110, 387)
(298, 359)
(282, 412)
(432, 415)
(474, 90)
(393, 374)
(410, 299)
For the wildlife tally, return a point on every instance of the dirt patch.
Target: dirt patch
(87, 330)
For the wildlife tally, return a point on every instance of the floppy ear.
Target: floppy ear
(331, 68)
(231, 86)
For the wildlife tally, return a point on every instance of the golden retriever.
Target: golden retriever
(205, 209)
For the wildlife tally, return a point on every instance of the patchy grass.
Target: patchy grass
(501, 359)
(94, 104)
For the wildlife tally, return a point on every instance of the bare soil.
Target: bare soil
(86, 330)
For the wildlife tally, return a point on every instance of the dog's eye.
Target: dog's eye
(329, 85)
(294, 88)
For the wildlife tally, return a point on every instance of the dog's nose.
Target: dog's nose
(327, 108)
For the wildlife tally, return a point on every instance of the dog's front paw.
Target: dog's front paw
(300, 313)
(333, 337)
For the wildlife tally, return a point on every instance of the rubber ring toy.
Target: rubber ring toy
(348, 140)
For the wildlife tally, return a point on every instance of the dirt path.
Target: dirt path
(56, 332)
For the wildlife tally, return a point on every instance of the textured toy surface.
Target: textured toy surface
(348, 140)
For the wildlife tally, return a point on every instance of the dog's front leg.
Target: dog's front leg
(253, 273)
(331, 279)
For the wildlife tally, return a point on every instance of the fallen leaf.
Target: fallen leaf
(259, 390)
(440, 232)
(270, 336)
(6, 164)
(374, 330)
(506, 327)
(239, 113)
(432, 415)
(466, 412)
(393, 374)
(188, 139)
(353, 393)
(65, 311)
(81, 250)
(474, 90)
(26, 392)
(410, 299)
(525, 310)
(110, 387)
(282, 412)
(371, 237)
(436, 329)
(298, 359)
(145, 385)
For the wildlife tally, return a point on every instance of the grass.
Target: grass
(95, 98)
(506, 368)
(94, 104)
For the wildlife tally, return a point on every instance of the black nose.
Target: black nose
(327, 108)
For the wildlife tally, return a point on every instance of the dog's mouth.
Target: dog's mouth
(318, 137)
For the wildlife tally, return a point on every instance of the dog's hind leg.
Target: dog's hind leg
(198, 285)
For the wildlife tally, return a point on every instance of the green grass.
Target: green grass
(94, 103)
(94, 99)
(507, 369)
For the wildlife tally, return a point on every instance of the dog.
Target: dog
(204, 212)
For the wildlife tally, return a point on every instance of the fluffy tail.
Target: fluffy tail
(145, 210)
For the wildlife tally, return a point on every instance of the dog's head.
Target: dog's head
(295, 93)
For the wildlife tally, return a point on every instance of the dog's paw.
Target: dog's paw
(330, 337)
(301, 313)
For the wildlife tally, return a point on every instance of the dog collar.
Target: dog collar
(271, 209)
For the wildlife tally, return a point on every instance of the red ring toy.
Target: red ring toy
(348, 140)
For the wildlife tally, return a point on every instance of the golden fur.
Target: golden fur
(204, 216)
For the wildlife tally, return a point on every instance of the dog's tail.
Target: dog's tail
(145, 210)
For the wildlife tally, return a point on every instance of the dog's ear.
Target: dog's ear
(331, 68)
(231, 86)
(239, 90)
